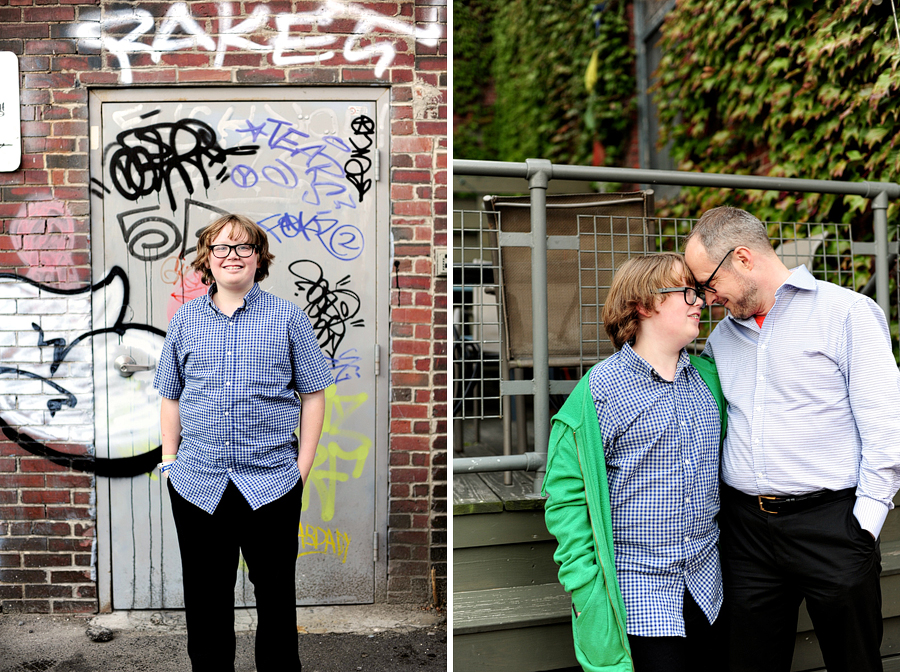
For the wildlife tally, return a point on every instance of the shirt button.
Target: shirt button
(687, 500)
(759, 378)
(228, 443)
(758, 408)
(761, 475)
(230, 470)
(227, 384)
(226, 413)
(687, 539)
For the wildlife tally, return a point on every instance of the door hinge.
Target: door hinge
(377, 154)
(377, 360)
(375, 547)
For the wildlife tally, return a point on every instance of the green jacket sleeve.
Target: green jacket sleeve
(567, 517)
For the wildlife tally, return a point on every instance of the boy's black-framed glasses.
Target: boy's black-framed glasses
(705, 286)
(691, 294)
(242, 250)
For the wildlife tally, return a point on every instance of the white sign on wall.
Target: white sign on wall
(10, 126)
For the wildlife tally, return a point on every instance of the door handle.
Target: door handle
(127, 366)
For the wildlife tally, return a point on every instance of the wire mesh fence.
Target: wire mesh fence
(492, 291)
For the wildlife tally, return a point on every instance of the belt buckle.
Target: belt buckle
(760, 499)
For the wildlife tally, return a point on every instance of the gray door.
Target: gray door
(303, 164)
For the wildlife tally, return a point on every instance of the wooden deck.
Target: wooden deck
(511, 614)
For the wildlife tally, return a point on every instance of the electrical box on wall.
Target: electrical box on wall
(440, 261)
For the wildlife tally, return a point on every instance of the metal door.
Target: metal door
(303, 163)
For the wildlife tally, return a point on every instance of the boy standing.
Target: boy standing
(632, 478)
(232, 367)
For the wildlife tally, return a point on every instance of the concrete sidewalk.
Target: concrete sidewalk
(370, 638)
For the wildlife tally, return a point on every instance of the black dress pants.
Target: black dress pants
(210, 547)
(700, 650)
(771, 562)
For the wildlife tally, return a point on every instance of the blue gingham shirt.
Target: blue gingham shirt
(813, 397)
(235, 378)
(661, 442)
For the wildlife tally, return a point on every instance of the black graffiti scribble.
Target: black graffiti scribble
(163, 233)
(103, 187)
(146, 157)
(329, 310)
(118, 467)
(154, 237)
(360, 163)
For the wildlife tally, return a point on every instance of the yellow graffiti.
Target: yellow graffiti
(324, 475)
(323, 541)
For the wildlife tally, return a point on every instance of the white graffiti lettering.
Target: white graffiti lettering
(286, 48)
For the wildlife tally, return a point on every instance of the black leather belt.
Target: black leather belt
(785, 504)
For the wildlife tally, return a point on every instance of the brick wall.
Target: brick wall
(47, 517)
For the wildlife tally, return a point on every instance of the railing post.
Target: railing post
(879, 222)
(539, 173)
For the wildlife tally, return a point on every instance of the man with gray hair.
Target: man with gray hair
(810, 463)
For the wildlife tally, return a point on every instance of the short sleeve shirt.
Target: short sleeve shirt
(235, 378)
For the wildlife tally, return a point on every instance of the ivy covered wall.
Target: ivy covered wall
(790, 89)
(537, 79)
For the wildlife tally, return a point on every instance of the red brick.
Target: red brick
(45, 497)
(153, 76)
(49, 46)
(69, 481)
(105, 77)
(47, 590)
(409, 379)
(74, 606)
(413, 176)
(204, 75)
(260, 76)
(19, 543)
(39, 464)
(22, 576)
(431, 127)
(67, 513)
(182, 59)
(71, 545)
(409, 443)
(10, 560)
(63, 576)
(411, 315)
(410, 347)
(10, 592)
(47, 560)
(411, 208)
(21, 512)
(49, 14)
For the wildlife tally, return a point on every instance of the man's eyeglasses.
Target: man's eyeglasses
(691, 294)
(222, 251)
(706, 286)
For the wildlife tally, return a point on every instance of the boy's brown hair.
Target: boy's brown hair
(634, 286)
(239, 224)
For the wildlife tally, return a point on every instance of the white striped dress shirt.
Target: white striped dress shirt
(813, 397)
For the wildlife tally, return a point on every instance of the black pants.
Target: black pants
(700, 651)
(770, 562)
(210, 546)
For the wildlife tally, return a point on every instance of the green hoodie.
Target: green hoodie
(577, 513)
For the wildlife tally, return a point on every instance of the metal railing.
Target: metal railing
(539, 173)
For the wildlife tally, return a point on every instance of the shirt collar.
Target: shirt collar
(800, 278)
(641, 366)
(252, 295)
